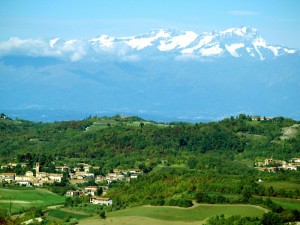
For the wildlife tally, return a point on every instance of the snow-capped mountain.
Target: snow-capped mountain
(236, 42)
(233, 42)
(168, 73)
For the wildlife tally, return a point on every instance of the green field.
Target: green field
(287, 202)
(176, 215)
(108, 122)
(61, 214)
(281, 185)
(25, 198)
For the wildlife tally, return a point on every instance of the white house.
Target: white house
(134, 176)
(91, 190)
(55, 177)
(100, 201)
(29, 174)
(296, 160)
(8, 177)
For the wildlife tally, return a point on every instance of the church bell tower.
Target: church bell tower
(37, 168)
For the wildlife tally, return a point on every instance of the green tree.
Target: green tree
(271, 219)
(102, 214)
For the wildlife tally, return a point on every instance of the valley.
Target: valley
(124, 169)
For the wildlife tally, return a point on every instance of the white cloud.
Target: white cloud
(21, 46)
(72, 49)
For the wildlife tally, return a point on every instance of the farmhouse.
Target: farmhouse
(90, 190)
(101, 201)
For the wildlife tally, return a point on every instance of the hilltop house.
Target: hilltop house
(91, 190)
(101, 201)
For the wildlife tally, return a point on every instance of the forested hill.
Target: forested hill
(128, 142)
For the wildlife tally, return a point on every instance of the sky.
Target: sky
(277, 21)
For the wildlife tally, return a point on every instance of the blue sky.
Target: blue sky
(277, 21)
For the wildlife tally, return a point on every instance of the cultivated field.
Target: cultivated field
(164, 215)
(24, 198)
(281, 185)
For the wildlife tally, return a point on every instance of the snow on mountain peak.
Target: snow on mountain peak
(236, 42)
(103, 40)
(180, 41)
(242, 31)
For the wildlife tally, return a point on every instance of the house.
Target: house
(63, 168)
(41, 175)
(134, 176)
(126, 171)
(100, 179)
(289, 166)
(19, 178)
(86, 167)
(114, 177)
(38, 183)
(268, 161)
(8, 177)
(91, 190)
(101, 201)
(296, 160)
(80, 175)
(137, 171)
(72, 193)
(55, 177)
(29, 173)
(24, 180)
(91, 175)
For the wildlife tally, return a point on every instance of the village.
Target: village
(76, 175)
(273, 165)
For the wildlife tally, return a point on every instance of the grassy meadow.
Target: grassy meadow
(104, 123)
(281, 185)
(174, 215)
(24, 198)
(63, 213)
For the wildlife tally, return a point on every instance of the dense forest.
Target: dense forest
(131, 141)
(182, 162)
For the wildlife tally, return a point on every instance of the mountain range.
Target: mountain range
(166, 74)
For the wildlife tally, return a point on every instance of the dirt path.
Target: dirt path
(15, 201)
(54, 206)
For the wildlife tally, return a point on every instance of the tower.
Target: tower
(37, 168)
